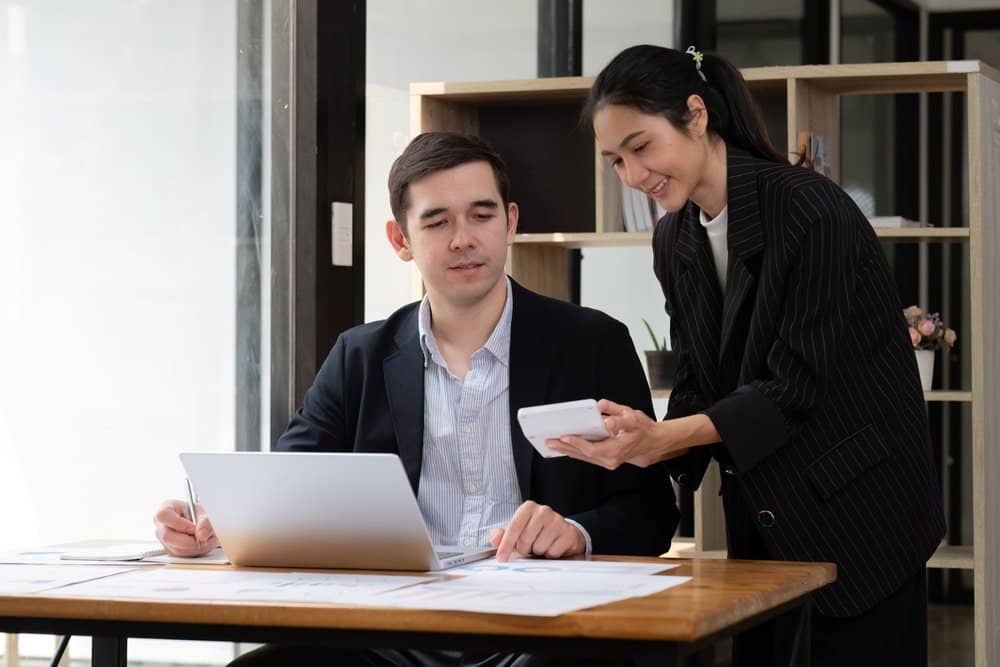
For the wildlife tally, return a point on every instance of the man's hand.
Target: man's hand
(537, 530)
(178, 535)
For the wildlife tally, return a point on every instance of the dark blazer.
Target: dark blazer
(369, 397)
(806, 369)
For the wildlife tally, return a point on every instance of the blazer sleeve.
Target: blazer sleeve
(686, 396)
(319, 425)
(760, 417)
(639, 514)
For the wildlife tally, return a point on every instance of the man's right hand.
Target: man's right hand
(178, 535)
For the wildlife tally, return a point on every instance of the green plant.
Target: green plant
(657, 345)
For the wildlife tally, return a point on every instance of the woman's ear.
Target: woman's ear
(697, 115)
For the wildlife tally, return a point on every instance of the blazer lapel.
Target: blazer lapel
(745, 239)
(529, 373)
(404, 390)
(699, 296)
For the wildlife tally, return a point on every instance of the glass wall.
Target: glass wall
(119, 125)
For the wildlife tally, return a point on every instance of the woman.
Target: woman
(795, 370)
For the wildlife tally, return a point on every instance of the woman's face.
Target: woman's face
(650, 154)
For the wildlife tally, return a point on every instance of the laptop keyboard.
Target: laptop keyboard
(448, 554)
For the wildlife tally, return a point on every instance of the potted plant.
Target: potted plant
(928, 334)
(660, 362)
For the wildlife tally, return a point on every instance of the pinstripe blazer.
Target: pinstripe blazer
(369, 397)
(806, 369)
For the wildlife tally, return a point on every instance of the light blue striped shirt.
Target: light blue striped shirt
(468, 482)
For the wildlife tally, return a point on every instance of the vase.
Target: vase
(662, 364)
(925, 363)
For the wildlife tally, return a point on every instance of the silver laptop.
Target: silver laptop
(352, 511)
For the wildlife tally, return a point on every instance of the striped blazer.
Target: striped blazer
(806, 369)
(369, 397)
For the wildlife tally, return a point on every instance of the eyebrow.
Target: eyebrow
(479, 203)
(625, 141)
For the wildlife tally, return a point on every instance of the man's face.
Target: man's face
(458, 232)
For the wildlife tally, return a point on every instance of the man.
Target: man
(440, 381)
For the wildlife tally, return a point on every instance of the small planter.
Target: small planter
(925, 363)
(661, 364)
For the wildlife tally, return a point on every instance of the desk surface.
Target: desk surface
(722, 593)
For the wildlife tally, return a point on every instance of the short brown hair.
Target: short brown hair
(436, 151)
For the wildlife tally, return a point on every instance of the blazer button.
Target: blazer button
(684, 479)
(729, 470)
(766, 519)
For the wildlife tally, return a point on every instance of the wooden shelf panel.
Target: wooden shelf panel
(923, 233)
(946, 557)
(948, 396)
(934, 76)
(588, 239)
(950, 557)
(626, 239)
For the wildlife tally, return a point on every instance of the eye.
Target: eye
(638, 149)
(434, 224)
(483, 216)
(615, 162)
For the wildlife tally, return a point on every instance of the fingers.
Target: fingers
(512, 533)
(495, 536)
(611, 408)
(176, 532)
(540, 531)
(606, 453)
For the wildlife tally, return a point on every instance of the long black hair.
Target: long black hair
(657, 80)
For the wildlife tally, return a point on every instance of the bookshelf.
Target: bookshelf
(561, 186)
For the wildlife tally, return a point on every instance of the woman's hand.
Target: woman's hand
(637, 439)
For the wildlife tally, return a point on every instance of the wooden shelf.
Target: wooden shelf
(923, 233)
(949, 557)
(588, 239)
(636, 239)
(948, 396)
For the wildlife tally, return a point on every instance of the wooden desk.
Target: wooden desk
(723, 597)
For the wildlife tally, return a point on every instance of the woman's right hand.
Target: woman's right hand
(178, 535)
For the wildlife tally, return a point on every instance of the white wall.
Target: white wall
(117, 213)
(436, 40)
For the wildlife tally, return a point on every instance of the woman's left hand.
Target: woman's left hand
(635, 439)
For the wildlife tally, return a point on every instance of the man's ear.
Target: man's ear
(397, 239)
(512, 214)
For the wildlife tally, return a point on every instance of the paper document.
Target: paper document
(214, 557)
(233, 585)
(526, 594)
(543, 566)
(21, 579)
(118, 551)
(54, 556)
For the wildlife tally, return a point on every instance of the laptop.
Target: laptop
(317, 510)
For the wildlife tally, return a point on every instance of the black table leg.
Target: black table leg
(795, 632)
(109, 652)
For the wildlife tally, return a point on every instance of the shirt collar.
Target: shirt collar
(498, 344)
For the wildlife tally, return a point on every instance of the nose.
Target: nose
(634, 174)
(462, 236)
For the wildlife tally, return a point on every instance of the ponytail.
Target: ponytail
(657, 80)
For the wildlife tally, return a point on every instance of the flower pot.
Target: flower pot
(925, 363)
(661, 364)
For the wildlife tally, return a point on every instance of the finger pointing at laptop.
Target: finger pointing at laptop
(538, 530)
(179, 535)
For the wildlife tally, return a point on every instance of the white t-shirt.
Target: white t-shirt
(717, 229)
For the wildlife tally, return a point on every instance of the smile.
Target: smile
(656, 189)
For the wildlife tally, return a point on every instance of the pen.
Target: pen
(191, 510)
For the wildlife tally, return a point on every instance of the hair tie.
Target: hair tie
(698, 57)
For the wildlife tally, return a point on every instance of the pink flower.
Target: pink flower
(950, 337)
(912, 312)
(927, 328)
(914, 337)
